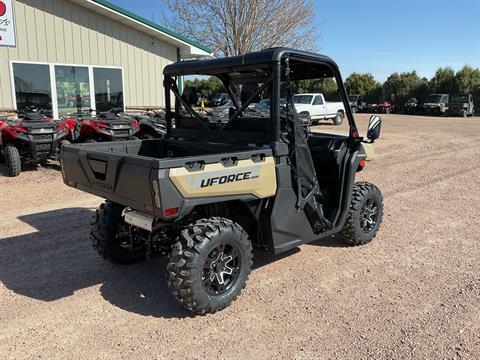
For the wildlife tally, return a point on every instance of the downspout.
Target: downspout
(180, 78)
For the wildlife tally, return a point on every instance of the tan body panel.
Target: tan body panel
(369, 151)
(246, 177)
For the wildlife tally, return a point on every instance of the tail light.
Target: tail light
(170, 212)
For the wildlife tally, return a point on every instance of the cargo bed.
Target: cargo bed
(124, 172)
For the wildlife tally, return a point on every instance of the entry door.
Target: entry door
(73, 89)
(318, 107)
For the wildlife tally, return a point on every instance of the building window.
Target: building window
(60, 89)
(108, 88)
(32, 86)
(73, 89)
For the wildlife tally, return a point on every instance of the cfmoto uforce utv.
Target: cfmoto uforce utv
(208, 193)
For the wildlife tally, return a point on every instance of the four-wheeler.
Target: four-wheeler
(106, 126)
(385, 107)
(435, 104)
(151, 124)
(207, 193)
(411, 106)
(314, 107)
(33, 137)
(357, 104)
(461, 104)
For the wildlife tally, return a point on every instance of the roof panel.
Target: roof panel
(147, 23)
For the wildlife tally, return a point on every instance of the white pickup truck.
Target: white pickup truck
(314, 107)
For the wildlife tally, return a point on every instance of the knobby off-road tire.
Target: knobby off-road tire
(105, 234)
(12, 160)
(364, 216)
(206, 253)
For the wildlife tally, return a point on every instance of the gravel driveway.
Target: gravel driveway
(414, 292)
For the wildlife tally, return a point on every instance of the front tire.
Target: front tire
(209, 264)
(365, 214)
(110, 236)
(12, 160)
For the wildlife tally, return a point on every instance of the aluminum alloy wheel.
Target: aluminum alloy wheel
(369, 215)
(221, 269)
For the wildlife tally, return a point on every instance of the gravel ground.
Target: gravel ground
(414, 292)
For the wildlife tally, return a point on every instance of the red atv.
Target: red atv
(33, 137)
(106, 126)
(385, 107)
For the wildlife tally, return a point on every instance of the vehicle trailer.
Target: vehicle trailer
(207, 193)
(461, 105)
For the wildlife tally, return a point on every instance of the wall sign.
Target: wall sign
(7, 23)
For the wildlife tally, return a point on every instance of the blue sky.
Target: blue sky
(384, 36)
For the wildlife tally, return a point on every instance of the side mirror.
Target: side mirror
(374, 127)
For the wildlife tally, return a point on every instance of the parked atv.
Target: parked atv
(33, 137)
(411, 106)
(106, 126)
(207, 193)
(152, 124)
(385, 107)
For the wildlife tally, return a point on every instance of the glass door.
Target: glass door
(108, 89)
(73, 89)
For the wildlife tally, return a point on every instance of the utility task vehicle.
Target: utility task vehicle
(111, 125)
(33, 137)
(435, 104)
(207, 193)
(461, 104)
(357, 104)
(316, 108)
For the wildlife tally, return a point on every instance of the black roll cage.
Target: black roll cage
(274, 59)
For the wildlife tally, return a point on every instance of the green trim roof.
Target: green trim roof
(151, 24)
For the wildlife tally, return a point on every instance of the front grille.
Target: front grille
(121, 132)
(41, 137)
(42, 147)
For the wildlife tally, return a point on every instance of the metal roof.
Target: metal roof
(188, 47)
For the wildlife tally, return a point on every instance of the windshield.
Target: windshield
(218, 96)
(302, 99)
(353, 98)
(433, 98)
(459, 98)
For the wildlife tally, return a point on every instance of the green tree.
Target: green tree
(399, 87)
(360, 84)
(207, 87)
(443, 81)
(467, 79)
(375, 95)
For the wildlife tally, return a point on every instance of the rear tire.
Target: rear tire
(338, 119)
(107, 233)
(209, 264)
(365, 214)
(12, 160)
